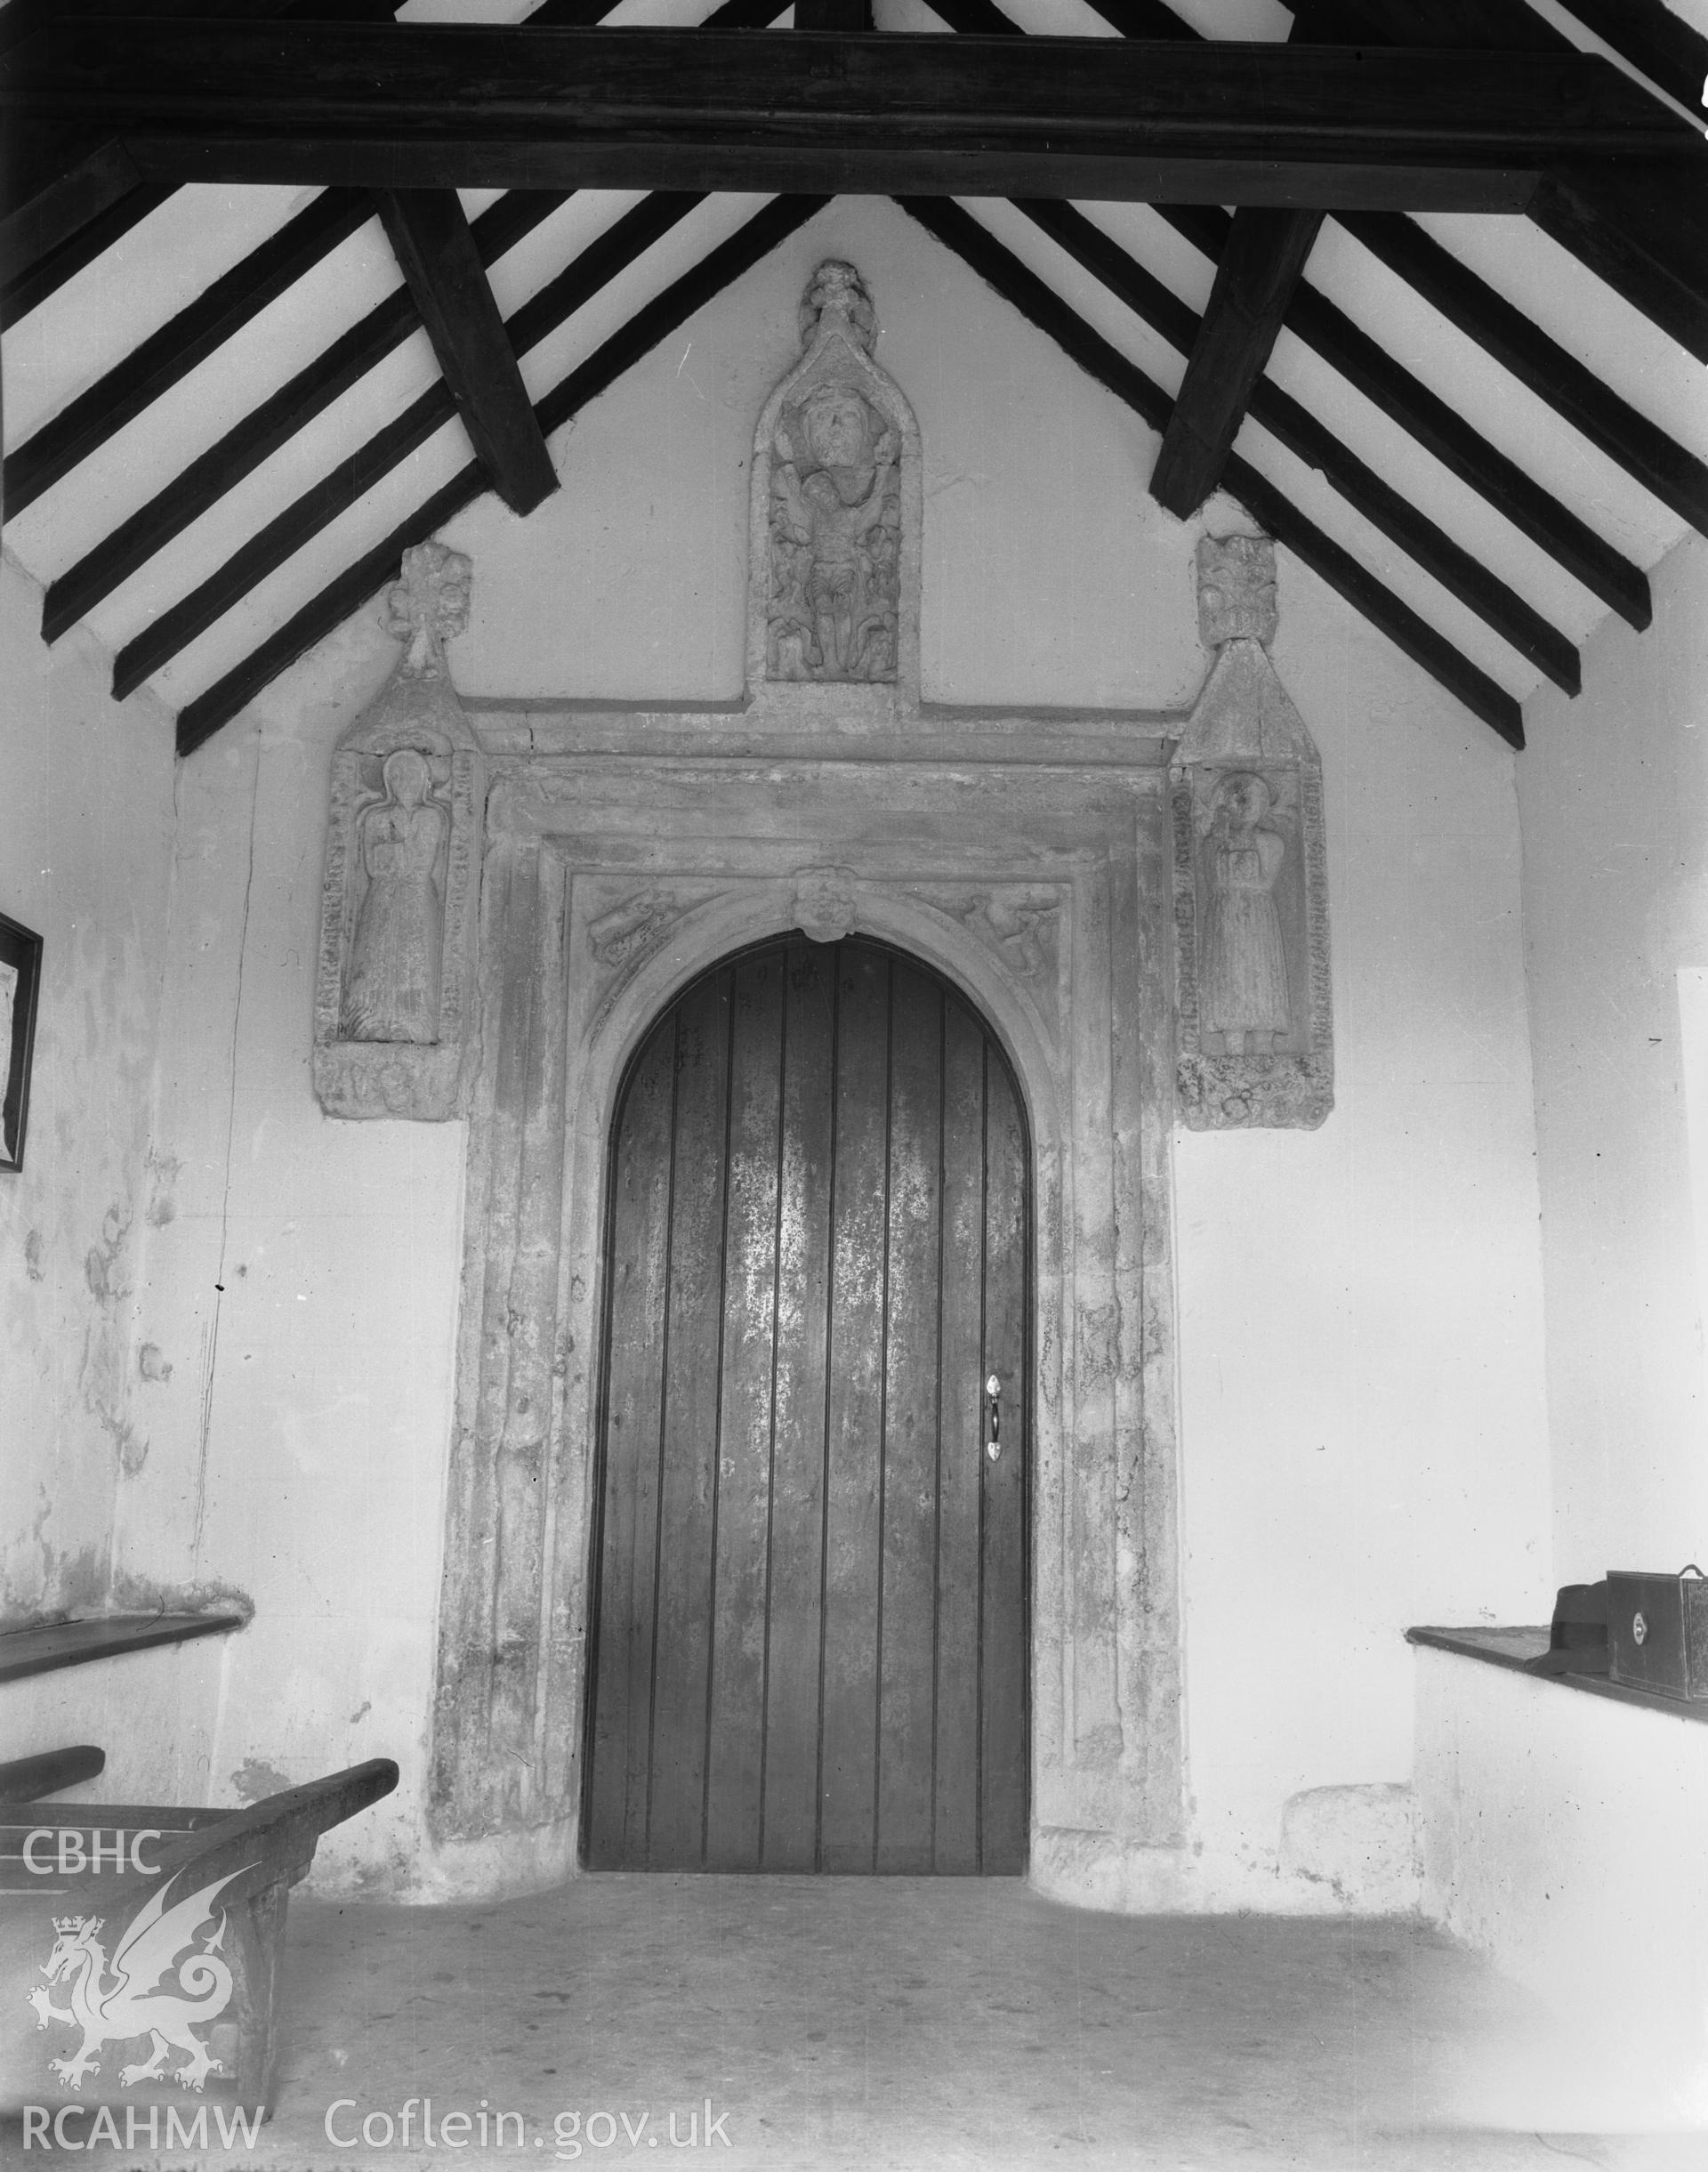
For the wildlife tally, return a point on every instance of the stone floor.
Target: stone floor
(916, 2024)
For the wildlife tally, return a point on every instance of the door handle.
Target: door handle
(994, 1418)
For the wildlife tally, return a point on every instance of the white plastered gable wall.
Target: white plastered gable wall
(1362, 1433)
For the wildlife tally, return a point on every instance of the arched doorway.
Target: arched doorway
(810, 1643)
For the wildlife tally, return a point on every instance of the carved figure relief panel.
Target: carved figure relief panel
(1251, 899)
(834, 572)
(403, 865)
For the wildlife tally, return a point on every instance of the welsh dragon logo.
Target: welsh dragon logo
(117, 2000)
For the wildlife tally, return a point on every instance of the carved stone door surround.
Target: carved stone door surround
(1028, 860)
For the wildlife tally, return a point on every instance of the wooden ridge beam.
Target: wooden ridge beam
(433, 106)
(1257, 274)
(1437, 426)
(174, 351)
(76, 211)
(1500, 606)
(430, 236)
(274, 423)
(1004, 271)
(201, 718)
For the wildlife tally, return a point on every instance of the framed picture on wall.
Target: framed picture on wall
(20, 974)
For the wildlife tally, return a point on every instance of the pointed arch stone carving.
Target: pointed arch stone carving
(1250, 880)
(834, 555)
(401, 893)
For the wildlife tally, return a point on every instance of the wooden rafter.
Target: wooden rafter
(1642, 449)
(1654, 39)
(437, 253)
(345, 485)
(201, 718)
(1257, 274)
(1004, 271)
(429, 106)
(171, 353)
(1368, 494)
(1644, 233)
(1435, 423)
(266, 428)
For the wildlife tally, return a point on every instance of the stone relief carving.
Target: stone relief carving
(399, 909)
(630, 929)
(1022, 923)
(835, 572)
(824, 907)
(1251, 894)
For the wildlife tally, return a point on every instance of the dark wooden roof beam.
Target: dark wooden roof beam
(1644, 232)
(247, 444)
(1642, 449)
(345, 485)
(201, 718)
(1500, 607)
(1261, 265)
(172, 352)
(1648, 35)
(430, 236)
(1436, 425)
(1001, 270)
(432, 105)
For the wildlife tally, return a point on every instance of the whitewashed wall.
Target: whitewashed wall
(1614, 798)
(85, 860)
(1361, 1366)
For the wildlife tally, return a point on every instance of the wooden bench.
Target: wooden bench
(27, 1779)
(140, 1949)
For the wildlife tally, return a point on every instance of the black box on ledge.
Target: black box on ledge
(1657, 1632)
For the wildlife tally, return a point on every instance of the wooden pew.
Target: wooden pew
(28, 1780)
(139, 1946)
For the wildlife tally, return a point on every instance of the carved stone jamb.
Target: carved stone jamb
(833, 585)
(1255, 1025)
(393, 1009)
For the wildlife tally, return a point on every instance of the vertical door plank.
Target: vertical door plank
(622, 1719)
(676, 1833)
(798, 1452)
(1005, 1640)
(907, 1628)
(855, 1414)
(734, 1778)
(961, 1456)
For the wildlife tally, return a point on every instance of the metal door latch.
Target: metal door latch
(994, 1443)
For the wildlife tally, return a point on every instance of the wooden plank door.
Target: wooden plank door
(811, 1639)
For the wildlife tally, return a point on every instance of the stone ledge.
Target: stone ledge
(1513, 1648)
(39, 1649)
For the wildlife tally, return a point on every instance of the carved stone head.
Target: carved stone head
(825, 908)
(836, 300)
(1236, 589)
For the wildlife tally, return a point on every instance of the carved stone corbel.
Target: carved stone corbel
(1250, 886)
(400, 910)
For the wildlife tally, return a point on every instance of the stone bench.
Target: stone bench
(140, 1950)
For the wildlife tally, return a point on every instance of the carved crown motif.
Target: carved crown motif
(837, 299)
(73, 1924)
(1236, 589)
